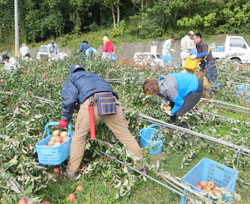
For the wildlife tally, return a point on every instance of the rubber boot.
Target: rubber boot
(183, 124)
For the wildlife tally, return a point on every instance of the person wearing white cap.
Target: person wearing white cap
(187, 44)
(108, 49)
(24, 52)
(52, 50)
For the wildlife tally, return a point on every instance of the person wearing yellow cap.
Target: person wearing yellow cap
(108, 49)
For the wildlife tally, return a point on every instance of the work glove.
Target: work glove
(193, 56)
(63, 123)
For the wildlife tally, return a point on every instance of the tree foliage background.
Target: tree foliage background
(42, 19)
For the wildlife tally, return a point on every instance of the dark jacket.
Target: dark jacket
(79, 86)
(84, 46)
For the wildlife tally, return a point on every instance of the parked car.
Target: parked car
(43, 52)
(148, 58)
(236, 48)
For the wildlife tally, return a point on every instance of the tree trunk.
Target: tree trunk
(118, 13)
(142, 5)
(113, 15)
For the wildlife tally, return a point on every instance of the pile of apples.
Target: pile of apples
(210, 187)
(58, 138)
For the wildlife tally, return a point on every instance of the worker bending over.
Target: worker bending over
(182, 90)
(79, 91)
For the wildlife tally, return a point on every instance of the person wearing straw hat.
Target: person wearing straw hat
(80, 91)
(182, 90)
(108, 49)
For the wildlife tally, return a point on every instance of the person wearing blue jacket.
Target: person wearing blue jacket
(183, 90)
(77, 93)
(83, 48)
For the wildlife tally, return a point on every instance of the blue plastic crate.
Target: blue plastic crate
(241, 89)
(151, 138)
(49, 155)
(209, 170)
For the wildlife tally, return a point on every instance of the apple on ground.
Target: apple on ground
(56, 170)
(64, 134)
(211, 184)
(23, 201)
(79, 187)
(45, 202)
(56, 133)
(57, 144)
(203, 183)
(44, 75)
(71, 197)
(199, 186)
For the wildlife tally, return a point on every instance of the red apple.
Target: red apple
(1, 80)
(44, 75)
(58, 139)
(23, 201)
(203, 183)
(216, 192)
(83, 168)
(42, 68)
(56, 170)
(56, 133)
(71, 197)
(46, 202)
(79, 187)
(53, 139)
(199, 186)
(211, 184)
(51, 143)
(64, 139)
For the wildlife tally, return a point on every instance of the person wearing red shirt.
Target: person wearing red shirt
(108, 49)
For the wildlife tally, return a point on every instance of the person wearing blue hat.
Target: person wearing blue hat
(91, 52)
(85, 91)
(83, 48)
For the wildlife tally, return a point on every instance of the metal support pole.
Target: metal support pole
(16, 28)
(143, 174)
(212, 139)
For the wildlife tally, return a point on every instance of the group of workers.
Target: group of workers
(180, 92)
(194, 47)
(88, 51)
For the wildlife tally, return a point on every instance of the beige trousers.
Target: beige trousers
(207, 85)
(117, 123)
